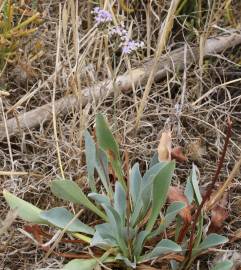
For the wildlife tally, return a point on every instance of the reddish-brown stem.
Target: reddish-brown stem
(183, 232)
(211, 186)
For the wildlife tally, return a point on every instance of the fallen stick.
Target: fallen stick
(124, 83)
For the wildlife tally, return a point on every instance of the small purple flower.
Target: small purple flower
(130, 46)
(118, 31)
(102, 16)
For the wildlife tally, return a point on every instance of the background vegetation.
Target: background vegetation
(49, 49)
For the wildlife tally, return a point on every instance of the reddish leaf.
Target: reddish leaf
(177, 154)
(35, 230)
(175, 194)
(218, 215)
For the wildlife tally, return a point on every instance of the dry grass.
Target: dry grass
(76, 56)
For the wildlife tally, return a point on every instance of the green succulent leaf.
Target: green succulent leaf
(61, 217)
(172, 211)
(90, 152)
(135, 184)
(147, 185)
(161, 185)
(194, 180)
(82, 264)
(70, 191)
(99, 198)
(189, 191)
(163, 247)
(154, 160)
(120, 201)
(104, 236)
(105, 139)
(128, 263)
(88, 264)
(117, 228)
(107, 143)
(212, 240)
(96, 159)
(224, 265)
(145, 194)
(139, 243)
(25, 210)
(170, 216)
(199, 233)
(102, 169)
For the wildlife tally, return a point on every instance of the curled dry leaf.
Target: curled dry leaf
(195, 150)
(177, 154)
(175, 194)
(164, 147)
(218, 215)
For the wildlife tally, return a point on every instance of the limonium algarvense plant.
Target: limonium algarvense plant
(126, 208)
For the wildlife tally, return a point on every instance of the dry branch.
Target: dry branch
(138, 76)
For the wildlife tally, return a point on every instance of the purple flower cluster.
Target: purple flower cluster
(101, 16)
(131, 45)
(119, 33)
(128, 45)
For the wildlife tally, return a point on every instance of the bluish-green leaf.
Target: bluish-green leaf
(60, 217)
(189, 192)
(145, 194)
(105, 230)
(212, 240)
(118, 230)
(161, 185)
(199, 231)
(70, 191)
(82, 264)
(147, 185)
(102, 169)
(154, 160)
(120, 201)
(139, 243)
(99, 198)
(90, 153)
(224, 265)
(163, 247)
(170, 216)
(88, 264)
(25, 210)
(105, 139)
(128, 263)
(152, 172)
(172, 211)
(103, 236)
(195, 184)
(107, 143)
(96, 159)
(135, 184)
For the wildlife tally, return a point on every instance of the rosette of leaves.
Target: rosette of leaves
(127, 210)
